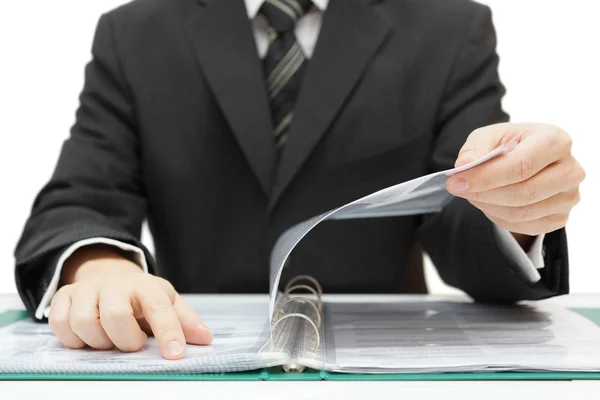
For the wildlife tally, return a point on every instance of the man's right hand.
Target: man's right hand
(107, 301)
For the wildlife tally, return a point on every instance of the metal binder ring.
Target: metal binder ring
(304, 299)
(305, 287)
(303, 316)
(304, 278)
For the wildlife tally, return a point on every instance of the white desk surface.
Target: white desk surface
(307, 390)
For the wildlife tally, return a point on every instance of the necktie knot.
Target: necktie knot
(282, 15)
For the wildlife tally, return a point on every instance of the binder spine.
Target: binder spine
(300, 283)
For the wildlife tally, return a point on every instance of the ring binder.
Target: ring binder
(309, 278)
(300, 282)
(303, 316)
(305, 287)
(303, 299)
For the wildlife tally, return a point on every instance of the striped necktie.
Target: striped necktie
(284, 64)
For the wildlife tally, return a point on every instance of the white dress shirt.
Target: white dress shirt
(307, 32)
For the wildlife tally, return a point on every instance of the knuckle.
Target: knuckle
(576, 197)
(141, 279)
(84, 290)
(523, 167)
(525, 129)
(64, 290)
(478, 132)
(79, 322)
(567, 142)
(114, 317)
(486, 182)
(521, 214)
(115, 286)
(561, 140)
(57, 298)
(553, 133)
(563, 220)
(158, 308)
(578, 174)
(167, 330)
(164, 283)
(57, 322)
(526, 194)
(144, 284)
(559, 220)
(160, 280)
(510, 226)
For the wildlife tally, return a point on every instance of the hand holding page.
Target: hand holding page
(422, 195)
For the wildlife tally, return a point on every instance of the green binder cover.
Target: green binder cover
(276, 374)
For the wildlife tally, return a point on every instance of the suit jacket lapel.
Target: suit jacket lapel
(351, 33)
(221, 35)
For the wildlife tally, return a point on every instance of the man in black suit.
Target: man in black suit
(225, 122)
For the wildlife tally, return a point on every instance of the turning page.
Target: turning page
(422, 195)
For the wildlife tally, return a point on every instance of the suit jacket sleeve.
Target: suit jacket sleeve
(460, 240)
(96, 189)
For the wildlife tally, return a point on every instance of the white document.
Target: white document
(240, 329)
(422, 195)
(401, 337)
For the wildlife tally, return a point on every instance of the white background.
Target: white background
(549, 62)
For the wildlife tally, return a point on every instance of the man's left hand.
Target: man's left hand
(528, 191)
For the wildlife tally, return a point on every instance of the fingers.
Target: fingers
(117, 319)
(193, 327)
(480, 142)
(108, 314)
(559, 204)
(532, 188)
(556, 178)
(58, 320)
(85, 319)
(534, 152)
(157, 307)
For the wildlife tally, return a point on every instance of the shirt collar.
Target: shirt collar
(252, 6)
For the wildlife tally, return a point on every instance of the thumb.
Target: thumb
(483, 140)
(193, 327)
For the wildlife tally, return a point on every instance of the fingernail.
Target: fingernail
(466, 157)
(459, 185)
(203, 327)
(174, 348)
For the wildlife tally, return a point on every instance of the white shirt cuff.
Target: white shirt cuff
(527, 263)
(43, 309)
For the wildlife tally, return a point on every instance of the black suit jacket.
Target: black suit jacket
(174, 126)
